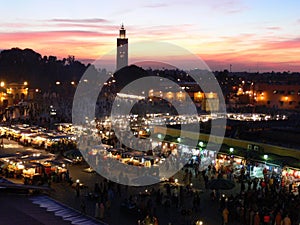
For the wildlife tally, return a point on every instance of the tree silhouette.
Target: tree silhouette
(17, 65)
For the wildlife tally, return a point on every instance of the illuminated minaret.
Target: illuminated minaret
(122, 49)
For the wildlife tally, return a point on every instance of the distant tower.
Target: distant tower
(122, 49)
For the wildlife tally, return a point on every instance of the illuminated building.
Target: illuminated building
(209, 102)
(13, 93)
(281, 96)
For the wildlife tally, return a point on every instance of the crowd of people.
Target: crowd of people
(264, 201)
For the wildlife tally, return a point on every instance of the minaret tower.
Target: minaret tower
(122, 49)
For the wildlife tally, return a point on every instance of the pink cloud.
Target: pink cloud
(248, 66)
(274, 28)
(60, 43)
(91, 20)
(156, 5)
(287, 44)
(39, 36)
(87, 25)
(229, 6)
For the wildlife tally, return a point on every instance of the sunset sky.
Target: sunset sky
(252, 35)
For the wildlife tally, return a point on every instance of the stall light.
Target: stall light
(176, 180)
(284, 173)
(238, 160)
(63, 165)
(179, 139)
(266, 157)
(231, 150)
(77, 181)
(199, 222)
(201, 144)
(191, 184)
(159, 136)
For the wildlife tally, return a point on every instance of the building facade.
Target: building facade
(279, 96)
(13, 93)
(208, 102)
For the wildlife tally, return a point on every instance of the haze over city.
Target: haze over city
(251, 35)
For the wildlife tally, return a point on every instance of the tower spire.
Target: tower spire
(122, 33)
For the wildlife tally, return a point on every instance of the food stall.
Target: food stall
(260, 169)
(15, 168)
(291, 178)
(229, 165)
(32, 173)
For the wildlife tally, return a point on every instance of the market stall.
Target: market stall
(291, 179)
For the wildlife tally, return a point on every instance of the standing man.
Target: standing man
(77, 189)
(287, 220)
(225, 214)
(278, 219)
(256, 219)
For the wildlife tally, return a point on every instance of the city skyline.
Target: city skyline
(252, 36)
